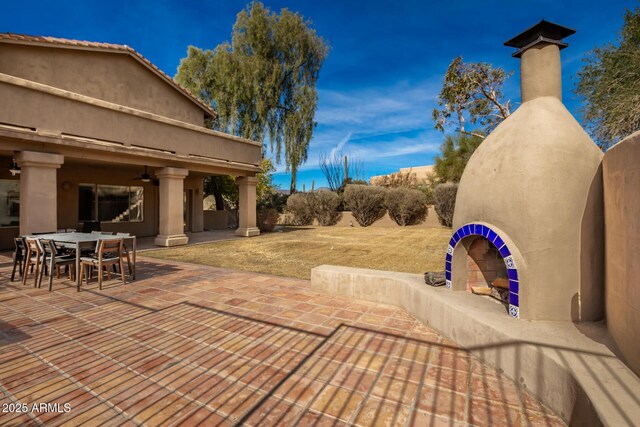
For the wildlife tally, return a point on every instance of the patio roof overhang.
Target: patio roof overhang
(82, 127)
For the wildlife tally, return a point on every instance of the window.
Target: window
(110, 203)
(9, 203)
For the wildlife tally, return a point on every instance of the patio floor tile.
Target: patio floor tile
(188, 345)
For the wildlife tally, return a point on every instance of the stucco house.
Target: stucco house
(421, 173)
(94, 132)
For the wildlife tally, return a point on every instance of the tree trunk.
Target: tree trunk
(294, 172)
(219, 201)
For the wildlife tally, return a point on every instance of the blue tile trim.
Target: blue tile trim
(504, 251)
(514, 286)
(498, 243)
(513, 299)
(474, 229)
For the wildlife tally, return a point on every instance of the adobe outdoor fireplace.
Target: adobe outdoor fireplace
(528, 216)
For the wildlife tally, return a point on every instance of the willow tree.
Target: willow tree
(262, 84)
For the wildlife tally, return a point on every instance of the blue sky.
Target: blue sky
(380, 81)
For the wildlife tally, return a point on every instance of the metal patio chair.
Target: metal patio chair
(55, 259)
(18, 257)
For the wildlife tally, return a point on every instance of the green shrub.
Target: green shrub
(406, 206)
(273, 200)
(267, 219)
(366, 203)
(324, 205)
(428, 190)
(445, 202)
(299, 210)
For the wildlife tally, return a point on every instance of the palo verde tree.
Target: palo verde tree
(473, 91)
(609, 83)
(262, 84)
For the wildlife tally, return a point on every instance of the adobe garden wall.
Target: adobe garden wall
(621, 169)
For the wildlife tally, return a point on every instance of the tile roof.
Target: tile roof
(108, 47)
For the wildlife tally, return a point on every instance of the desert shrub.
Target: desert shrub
(429, 193)
(267, 219)
(366, 203)
(445, 202)
(324, 205)
(299, 210)
(406, 206)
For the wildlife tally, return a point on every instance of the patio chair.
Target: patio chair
(18, 257)
(56, 260)
(108, 252)
(32, 258)
(125, 250)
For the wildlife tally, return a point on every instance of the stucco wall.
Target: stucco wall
(216, 220)
(7, 233)
(113, 77)
(74, 174)
(621, 168)
(65, 114)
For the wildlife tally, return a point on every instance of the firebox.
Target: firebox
(528, 223)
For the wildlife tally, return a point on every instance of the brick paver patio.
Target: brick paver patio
(192, 345)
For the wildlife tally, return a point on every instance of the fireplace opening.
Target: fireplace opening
(479, 260)
(487, 271)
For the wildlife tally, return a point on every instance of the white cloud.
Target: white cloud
(338, 148)
(386, 127)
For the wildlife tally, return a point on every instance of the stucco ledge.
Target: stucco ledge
(565, 365)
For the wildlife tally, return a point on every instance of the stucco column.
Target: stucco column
(171, 207)
(38, 191)
(197, 222)
(247, 206)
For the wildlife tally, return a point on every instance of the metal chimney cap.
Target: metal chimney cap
(543, 31)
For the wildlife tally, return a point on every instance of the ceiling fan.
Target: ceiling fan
(146, 177)
(13, 167)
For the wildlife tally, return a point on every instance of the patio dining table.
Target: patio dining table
(80, 241)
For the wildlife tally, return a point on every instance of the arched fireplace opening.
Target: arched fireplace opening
(486, 271)
(478, 260)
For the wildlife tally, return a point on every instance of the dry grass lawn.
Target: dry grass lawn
(296, 250)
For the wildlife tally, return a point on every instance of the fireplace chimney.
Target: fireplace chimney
(539, 52)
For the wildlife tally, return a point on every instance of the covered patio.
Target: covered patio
(190, 344)
(95, 133)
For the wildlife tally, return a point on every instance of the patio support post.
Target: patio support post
(197, 207)
(171, 213)
(247, 206)
(38, 191)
